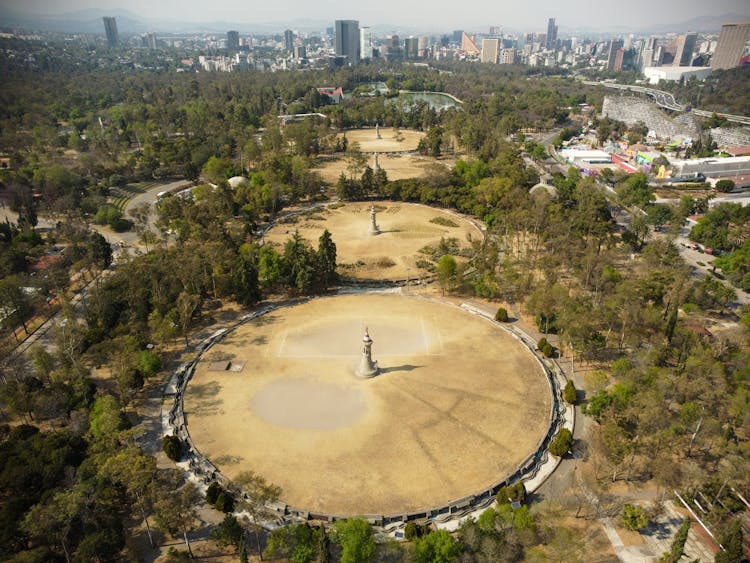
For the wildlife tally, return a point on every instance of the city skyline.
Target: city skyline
(442, 14)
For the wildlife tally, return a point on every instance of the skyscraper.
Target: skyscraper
(411, 48)
(233, 40)
(347, 40)
(684, 47)
(490, 48)
(614, 57)
(551, 34)
(289, 41)
(110, 28)
(731, 45)
(365, 43)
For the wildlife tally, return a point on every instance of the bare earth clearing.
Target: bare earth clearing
(391, 139)
(396, 166)
(458, 405)
(391, 255)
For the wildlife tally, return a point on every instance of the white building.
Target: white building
(365, 42)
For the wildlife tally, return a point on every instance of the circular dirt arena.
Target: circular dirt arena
(391, 139)
(459, 403)
(394, 254)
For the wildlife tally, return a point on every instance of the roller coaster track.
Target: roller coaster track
(666, 100)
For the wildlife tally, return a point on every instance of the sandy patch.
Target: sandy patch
(394, 253)
(391, 139)
(458, 405)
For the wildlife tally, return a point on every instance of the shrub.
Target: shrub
(545, 348)
(512, 493)
(224, 501)
(634, 517)
(561, 443)
(569, 393)
(502, 315)
(148, 363)
(443, 221)
(212, 493)
(172, 446)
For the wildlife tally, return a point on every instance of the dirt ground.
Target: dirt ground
(396, 166)
(458, 404)
(391, 139)
(391, 255)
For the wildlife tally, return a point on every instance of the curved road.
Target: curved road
(666, 100)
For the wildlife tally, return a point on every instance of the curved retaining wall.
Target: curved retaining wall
(205, 472)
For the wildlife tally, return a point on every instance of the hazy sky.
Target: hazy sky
(426, 14)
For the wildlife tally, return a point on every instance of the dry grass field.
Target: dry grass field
(391, 255)
(391, 139)
(458, 404)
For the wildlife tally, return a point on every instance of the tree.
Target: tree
(326, 260)
(501, 315)
(436, 547)
(105, 418)
(561, 443)
(255, 496)
(569, 393)
(446, 272)
(56, 517)
(354, 535)
(187, 305)
(136, 471)
(677, 549)
(732, 542)
(18, 301)
(634, 517)
(175, 511)
(229, 532)
(545, 347)
(172, 446)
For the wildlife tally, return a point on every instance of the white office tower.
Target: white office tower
(365, 42)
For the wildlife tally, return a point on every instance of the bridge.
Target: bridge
(666, 100)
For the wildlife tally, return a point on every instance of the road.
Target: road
(666, 100)
(129, 237)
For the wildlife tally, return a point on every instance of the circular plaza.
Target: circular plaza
(458, 404)
(401, 250)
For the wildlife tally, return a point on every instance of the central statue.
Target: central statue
(374, 229)
(367, 367)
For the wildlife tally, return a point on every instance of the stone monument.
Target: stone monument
(374, 229)
(377, 163)
(377, 131)
(367, 367)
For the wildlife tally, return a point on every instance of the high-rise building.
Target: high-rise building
(393, 49)
(424, 41)
(490, 48)
(508, 56)
(288, 40)
(300, 52)
(110, 28)
(148, 40)
(347, 40)
(684, 47)
(731, 45)
(365, 43)
(612, 58)
(551, 42)
(233, 40)
(457, 35)
(411, 48)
